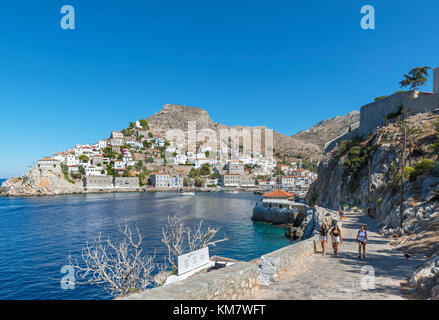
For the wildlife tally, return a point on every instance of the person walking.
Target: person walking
(362, 240)
(336, 238)
(323, 237)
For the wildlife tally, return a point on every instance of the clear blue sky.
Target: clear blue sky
(284, 64)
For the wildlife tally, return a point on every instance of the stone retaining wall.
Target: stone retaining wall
(239, 281)
(277, 262)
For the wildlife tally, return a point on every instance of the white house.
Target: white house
(160, 180)
(180, 159)
(93, 171)
(72, 160)
(82, 149)
(102, 144)
(60, 156)
(119, 164)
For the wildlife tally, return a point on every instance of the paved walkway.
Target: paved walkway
(341, 277)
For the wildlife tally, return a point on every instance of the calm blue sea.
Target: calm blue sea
(37, 234)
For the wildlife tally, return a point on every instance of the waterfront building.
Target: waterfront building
(230, 180)
(278, 199)
(177, 181)
(247, 180)
(160, 180)
(126, 182)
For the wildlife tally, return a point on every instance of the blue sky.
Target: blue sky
(283, 64)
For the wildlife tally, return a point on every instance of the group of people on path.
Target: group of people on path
(337, 239)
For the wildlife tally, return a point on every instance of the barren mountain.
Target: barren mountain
(173, 116)
(327, 130)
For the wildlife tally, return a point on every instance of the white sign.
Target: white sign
(192, 260)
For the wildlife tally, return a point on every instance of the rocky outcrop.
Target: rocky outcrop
(173, 116)
(302, 221)
(327, 130)
(35, 183)
(375, 184)
(425, 279)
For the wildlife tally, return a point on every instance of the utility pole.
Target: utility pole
(369, 210)
(404, 137)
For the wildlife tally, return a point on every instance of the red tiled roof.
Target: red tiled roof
(278, 194)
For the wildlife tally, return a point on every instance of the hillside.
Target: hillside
(327, 130)
(173, 116)
(343, 178)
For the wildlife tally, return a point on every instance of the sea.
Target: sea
(37, 234)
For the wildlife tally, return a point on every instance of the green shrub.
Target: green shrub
(423, 167)
(379, 98)
(408, 171)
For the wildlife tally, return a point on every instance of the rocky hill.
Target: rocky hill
(373, 163)
(327, 130)
(173, 116)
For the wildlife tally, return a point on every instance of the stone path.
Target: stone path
(341, 277)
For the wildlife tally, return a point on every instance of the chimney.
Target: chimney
(436, 80)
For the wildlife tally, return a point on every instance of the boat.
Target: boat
(233, 191)
(187, 193)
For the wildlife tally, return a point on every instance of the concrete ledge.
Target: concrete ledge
(230, 283)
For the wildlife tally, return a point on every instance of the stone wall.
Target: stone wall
(103, 182)
(373, 115)
(126, 182)
(239, 281)
(277, 262)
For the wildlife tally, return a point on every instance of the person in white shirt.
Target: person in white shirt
(362, 240)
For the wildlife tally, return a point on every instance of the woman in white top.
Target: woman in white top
(362, 240)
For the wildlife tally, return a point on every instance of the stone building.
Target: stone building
(101, 182)
(97, 159)
(230, 180)
(247, 180)
(49, 164)
(160, 180)
(126, 182)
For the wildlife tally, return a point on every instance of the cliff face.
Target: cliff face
(343, 177)
(338, 183)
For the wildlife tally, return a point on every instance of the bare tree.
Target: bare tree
(180, 239)
(120, 268)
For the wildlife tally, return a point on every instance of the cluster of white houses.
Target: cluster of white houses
(230, 173)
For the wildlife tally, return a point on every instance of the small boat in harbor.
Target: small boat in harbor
(187, 193)
(233, 191)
